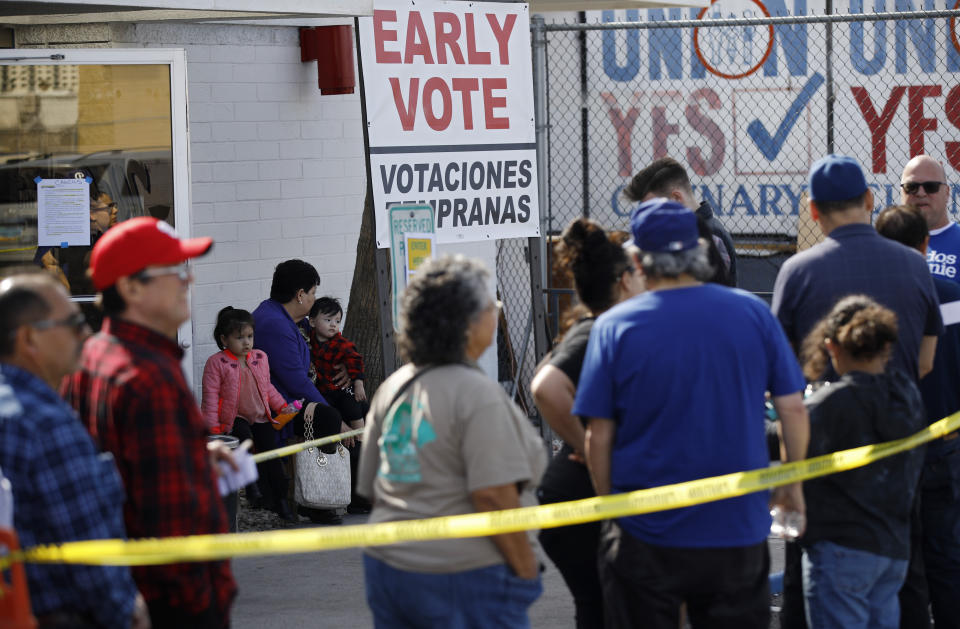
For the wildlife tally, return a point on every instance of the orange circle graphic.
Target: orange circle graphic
(723, 75)
(953, 28)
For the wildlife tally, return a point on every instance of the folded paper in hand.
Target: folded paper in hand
(231, 480)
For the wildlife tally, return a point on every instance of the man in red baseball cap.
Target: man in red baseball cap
(131, 393)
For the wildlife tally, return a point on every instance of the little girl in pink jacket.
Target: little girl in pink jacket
(238, 397)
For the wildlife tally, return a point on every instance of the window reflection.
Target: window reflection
(109, 123)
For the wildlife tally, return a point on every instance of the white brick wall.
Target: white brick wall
(277, 169)
(274, 165)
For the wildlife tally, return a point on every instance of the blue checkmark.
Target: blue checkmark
(770, 146)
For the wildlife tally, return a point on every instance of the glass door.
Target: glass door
(114, 119)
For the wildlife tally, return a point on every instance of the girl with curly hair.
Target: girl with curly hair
(857, 542)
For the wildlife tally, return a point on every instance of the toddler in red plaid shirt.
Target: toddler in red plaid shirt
(328, 350)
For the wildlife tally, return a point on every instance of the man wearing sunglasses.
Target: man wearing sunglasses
(131, 393)
(64, 489)
(936, 579)
(923, 186)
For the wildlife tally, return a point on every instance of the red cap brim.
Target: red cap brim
(137, 244)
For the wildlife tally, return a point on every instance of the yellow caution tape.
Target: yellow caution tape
(297, 447)
(212, 547)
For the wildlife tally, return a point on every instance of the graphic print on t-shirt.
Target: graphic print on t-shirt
(943, 252)
(398, 445)
(942, 264)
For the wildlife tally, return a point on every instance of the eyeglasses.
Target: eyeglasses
(182, 271)
(77, 321)
(930, 187)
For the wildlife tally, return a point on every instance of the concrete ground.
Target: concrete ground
(325, 589)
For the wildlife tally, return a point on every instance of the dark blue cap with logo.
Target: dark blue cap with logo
(836, 178)
(663, 226)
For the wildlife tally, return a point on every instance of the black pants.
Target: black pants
(351, 410)
(914, 597)
(573, 550)
(326, 421)
(645, 585)
(793, 614)
(273, 482)
(162, 616)
(940, 514)
(271, 476)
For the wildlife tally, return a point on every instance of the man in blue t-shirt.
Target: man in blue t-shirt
(673, 384)
(923, 186)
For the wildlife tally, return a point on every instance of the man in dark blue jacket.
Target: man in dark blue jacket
(853, 260)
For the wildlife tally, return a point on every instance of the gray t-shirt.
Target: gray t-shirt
(453, 431)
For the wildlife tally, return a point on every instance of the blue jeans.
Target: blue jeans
(481, 598)
(845, 588)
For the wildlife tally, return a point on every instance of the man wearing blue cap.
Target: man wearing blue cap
(647, 428)
(853, 259)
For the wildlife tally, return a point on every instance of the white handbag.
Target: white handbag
(321, 481)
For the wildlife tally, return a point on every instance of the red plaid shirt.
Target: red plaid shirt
(131, 394)
(326, 355)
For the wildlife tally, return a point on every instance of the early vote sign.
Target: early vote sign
(449, 104)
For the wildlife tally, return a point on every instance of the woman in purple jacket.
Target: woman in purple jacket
(292, 293)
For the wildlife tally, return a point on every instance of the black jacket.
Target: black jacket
(867, 508)
(723, 256)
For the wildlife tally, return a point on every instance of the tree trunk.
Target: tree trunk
(363, 312)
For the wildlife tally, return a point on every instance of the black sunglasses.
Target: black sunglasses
(77, 321)
(930, 187)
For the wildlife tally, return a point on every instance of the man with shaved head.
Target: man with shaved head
(936, 532)
(940, 486)
(924, 186)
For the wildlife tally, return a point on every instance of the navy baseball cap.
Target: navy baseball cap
(836, 178)
(663, 226)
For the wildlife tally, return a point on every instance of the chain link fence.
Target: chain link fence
(517, 356)
(747, 95)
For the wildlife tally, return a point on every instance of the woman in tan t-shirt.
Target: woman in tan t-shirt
(444, 439)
